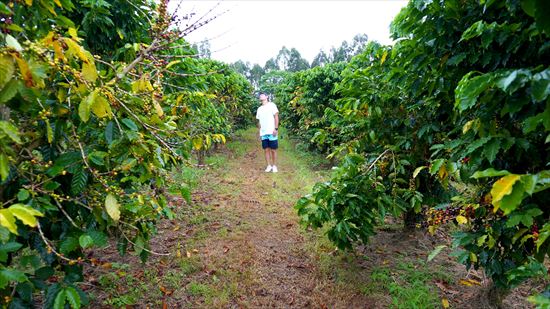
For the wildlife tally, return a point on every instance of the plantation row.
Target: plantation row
(97, 100)
(451, 124)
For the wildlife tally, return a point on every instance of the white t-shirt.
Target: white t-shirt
(266, 116)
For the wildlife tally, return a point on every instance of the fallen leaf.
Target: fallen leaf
(166, 291)
(225, 249)
(469, 282)
(445, 303)
(188, 254)
(443, 286)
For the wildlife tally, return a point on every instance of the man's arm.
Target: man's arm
(276, 124)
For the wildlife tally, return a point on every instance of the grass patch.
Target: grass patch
(189, 265)
(125, 290)
(408, 284)
(214, 294)
(199, 289)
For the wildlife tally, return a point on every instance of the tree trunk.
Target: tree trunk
(495, 295)
(200, 157)
(410, 218)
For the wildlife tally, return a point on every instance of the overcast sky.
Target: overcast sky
(255, 31)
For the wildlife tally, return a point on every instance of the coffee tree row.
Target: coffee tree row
(454, 116)
(94, 107)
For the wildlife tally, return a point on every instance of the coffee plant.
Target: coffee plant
(93, 109)
(450, 123)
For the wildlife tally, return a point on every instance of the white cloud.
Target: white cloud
(255, 31)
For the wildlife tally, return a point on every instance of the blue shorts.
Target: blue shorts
(270, 141)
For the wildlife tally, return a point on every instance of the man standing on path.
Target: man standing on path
(268, 123)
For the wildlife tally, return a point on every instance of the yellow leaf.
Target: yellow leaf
(73, 33)
(467, 126)
(89, 71)
(473, 257)
(49, 131)
(25, 71)
(158, 108)
(503, 187)
(461, 219)
(26, 214)
(445, 303)
(443, 172)
(178, 99)
(481, 240)
(28, 2)
(120, 34)
(384, 57)
(172, 63)
(58, 51)
(219, 138)
(73, 49)
(136, 85)
(8, 221)
(142, 85)
(85, 106)
(58, 3)
(48, 39)
(112, 207)
(197, 143)
(469, 282)
(100, 107)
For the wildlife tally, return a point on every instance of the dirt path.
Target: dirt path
(263, 253)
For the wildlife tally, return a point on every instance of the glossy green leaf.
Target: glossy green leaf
(4, 167)
(418, 170)
(435, 252)
(11, 275)
(9, 91)
(7, 69)
(130, 124)
(68, 245)
(79, 181)
(85, 241)
(490, 172)
(60, 299)
(5, 9)
(469, 89)
(73, 297)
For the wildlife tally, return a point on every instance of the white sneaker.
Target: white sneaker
(275, 169)
(268, 168)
